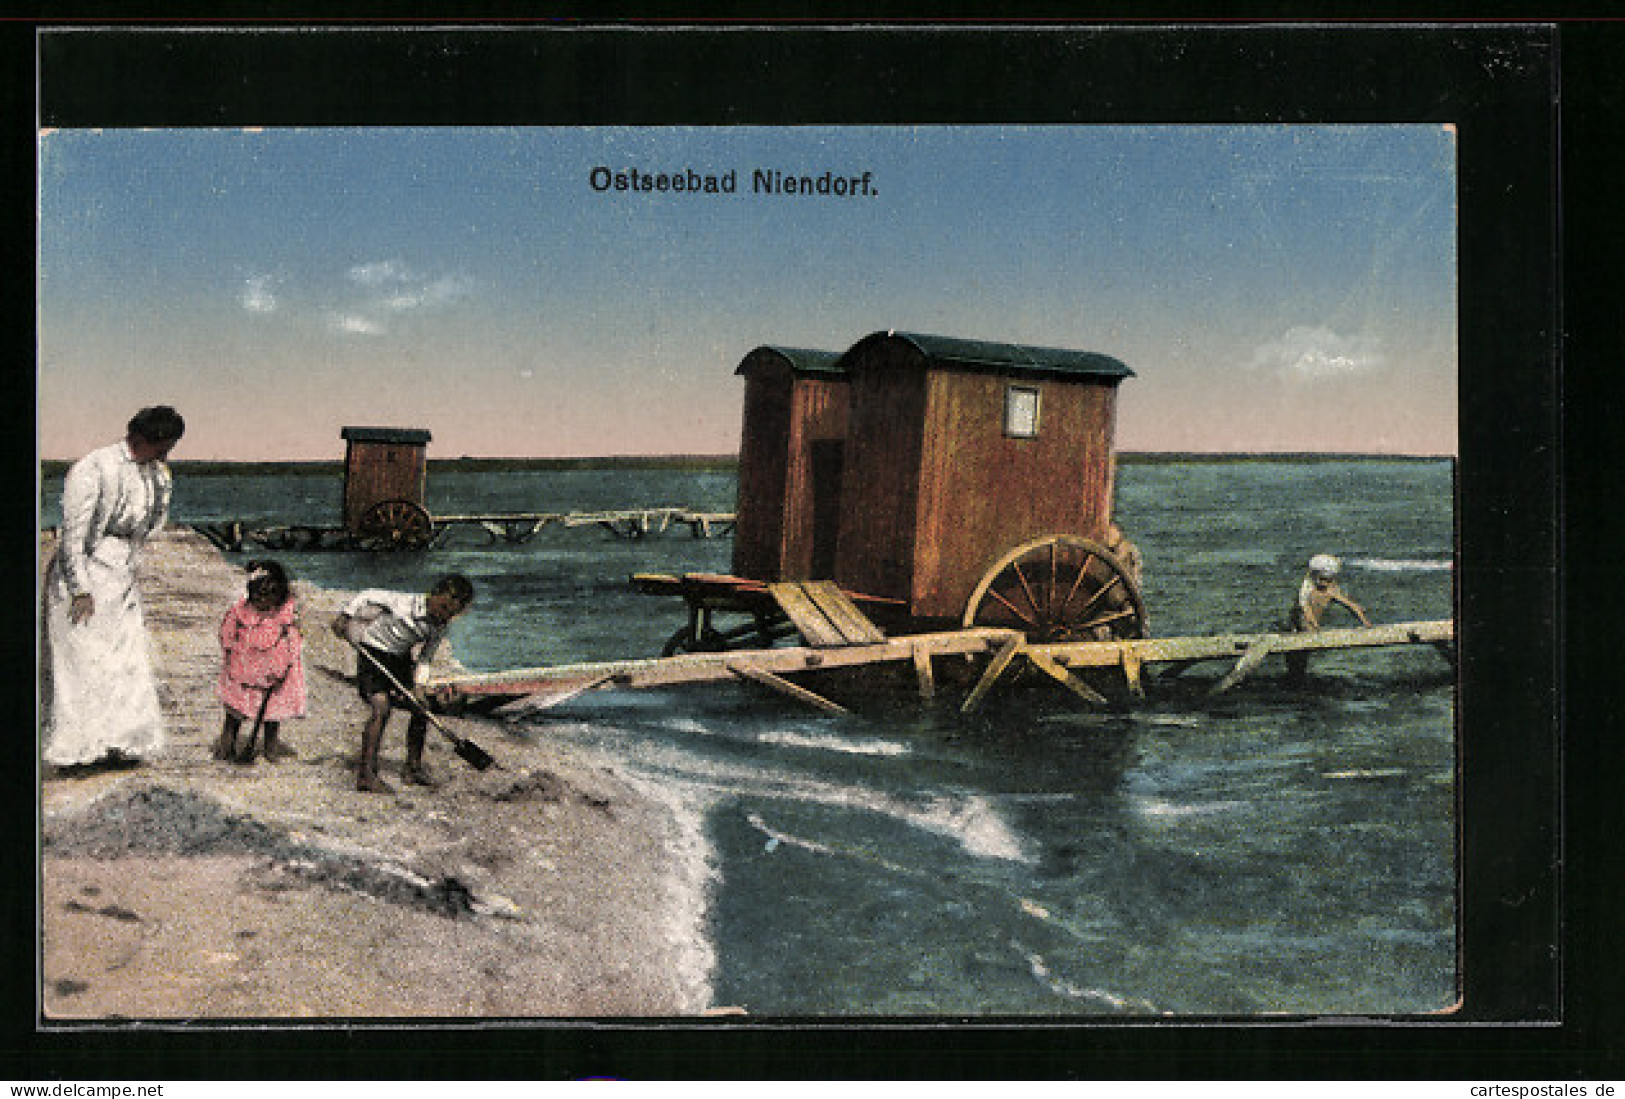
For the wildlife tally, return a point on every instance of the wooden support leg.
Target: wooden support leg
(995, 668)
(1175, 670)
(764, 630)
(922, 672)
(1252, 658)
(785, 687)
(1132, 665)
(1053, 668)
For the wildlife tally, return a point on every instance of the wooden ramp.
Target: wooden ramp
(823, 614)
(534, 689)
(1247, 650)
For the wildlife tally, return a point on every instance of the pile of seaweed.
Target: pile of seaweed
(156, 820)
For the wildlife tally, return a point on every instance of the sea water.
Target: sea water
(1276, 849)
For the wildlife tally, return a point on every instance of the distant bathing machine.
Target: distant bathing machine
(384, 473)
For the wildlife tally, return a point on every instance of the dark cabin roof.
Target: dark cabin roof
(385, 435)
(1002, 358)
(801, 360)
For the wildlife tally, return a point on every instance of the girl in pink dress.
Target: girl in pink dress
(262, 675)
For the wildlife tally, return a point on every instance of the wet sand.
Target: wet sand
(556, 885)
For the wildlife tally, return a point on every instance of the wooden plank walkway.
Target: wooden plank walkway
(514, 527)
(544, 685)
(1247, 649)
(542, 688)
(1096, 654)
(633, 523)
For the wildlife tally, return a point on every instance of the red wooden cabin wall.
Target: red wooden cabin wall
(790, 456)
(935, 492)
(982, 492)
(375, 472)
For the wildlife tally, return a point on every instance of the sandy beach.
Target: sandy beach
(554, 885)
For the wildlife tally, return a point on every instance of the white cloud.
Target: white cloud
(258, 294)
(354, 324)
(381, 273)
(1317, 352)
(448, 288)
(397, 288)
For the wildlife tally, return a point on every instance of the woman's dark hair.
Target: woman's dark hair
(270, 578)
(158, 424)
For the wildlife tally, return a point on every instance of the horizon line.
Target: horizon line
(733, 457)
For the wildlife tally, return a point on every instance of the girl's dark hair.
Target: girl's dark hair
(269, 577)
(158, 424)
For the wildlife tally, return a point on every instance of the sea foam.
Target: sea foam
(1402, 564)
(833, 743)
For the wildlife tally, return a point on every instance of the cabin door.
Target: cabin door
(826, 505)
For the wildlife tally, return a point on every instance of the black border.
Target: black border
(1498, 83)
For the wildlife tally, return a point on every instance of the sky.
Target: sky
(1274, 288)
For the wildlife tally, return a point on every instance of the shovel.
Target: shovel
(469, 752)
(246, 755)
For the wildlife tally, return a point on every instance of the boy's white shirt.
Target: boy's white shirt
(393, 622)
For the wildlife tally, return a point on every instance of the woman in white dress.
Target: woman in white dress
(100, 698)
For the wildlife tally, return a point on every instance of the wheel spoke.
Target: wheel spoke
(1050, 608)
(1013, 609)
(1026, 589)
(1083, 570)
(1114, 616)
(1100, 593)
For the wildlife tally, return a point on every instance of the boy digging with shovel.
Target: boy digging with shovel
(395, 633)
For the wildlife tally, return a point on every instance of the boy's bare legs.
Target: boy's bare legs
(372, 736)
(417, 732)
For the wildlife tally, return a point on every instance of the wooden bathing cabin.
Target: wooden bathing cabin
(915, 483)
(385, 469)
(792, 436)
(961, 452)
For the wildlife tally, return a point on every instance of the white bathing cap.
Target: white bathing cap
(1324, 564)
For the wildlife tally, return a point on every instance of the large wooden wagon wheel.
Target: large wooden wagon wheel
(701, 635)
(685, 640)
(396, 525)
(1059, 588)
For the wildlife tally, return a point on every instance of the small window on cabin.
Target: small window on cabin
(1021, 412)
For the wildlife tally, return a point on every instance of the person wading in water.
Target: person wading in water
(1318, 593)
